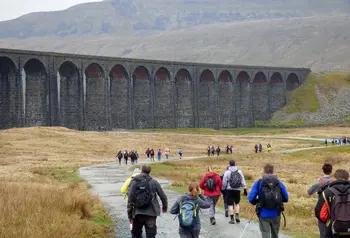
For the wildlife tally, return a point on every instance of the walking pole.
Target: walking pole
(246, 226)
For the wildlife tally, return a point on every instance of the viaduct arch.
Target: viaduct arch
(105, 93)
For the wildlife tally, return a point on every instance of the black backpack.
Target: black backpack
(270, 195)
(235, 180)
(340, 212)
(210, 183)
(142, 191)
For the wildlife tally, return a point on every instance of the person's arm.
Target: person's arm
(244, 185)
(252, 198)
(124, 189)
(202, 203)
(162, 196)
(225, 179)
(175, 209)
(314, 188)
(202, 183)
(219, 182)
(284, 192)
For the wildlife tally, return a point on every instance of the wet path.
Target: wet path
(106, 181)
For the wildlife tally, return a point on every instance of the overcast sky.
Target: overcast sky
(10, 9)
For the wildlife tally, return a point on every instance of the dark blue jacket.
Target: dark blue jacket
(255, 194)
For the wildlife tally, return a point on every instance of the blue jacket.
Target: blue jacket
(255, 194)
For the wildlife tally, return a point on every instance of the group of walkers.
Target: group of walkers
(259, 148)
(339, 141)
(150, 153)
(211, 150)
(133, 155)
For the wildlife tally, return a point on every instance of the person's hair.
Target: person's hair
(210, 169)
(327, 169)
(232, 163)
(341, 174)
(194, 189)
(146, 169)
(268, 169)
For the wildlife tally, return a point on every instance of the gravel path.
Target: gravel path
(106, 181)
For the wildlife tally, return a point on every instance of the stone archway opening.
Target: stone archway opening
(277, 97)
(163, 99)
(142, 98)
(184, 99)
(8, 91)
(244, 104)
(292, 82)
(207, 100)
(36, 94)
(226, 104)
(119, 102)
(95, 113)
(260, 97)
(70, 96)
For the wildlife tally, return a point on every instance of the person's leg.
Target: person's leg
(275, 226)
(210, 200)
(264, 225)
(185, 233)
(230, 203)
(237, 200)
(195, 233)
(137, 227)
(151, 226)
(215, 201)
(322, 228)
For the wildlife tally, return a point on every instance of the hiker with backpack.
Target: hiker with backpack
(211, 184)
(256, 148)
(151, 154)
(148, 153)
(159, 155)
(126, 186)
(319, 187)
(167, 152)
(143, 205)
(333, 207)
(234, 183)
(212, 150)
(269, 194)
(120, 156)
(260, 148)
(187, 208)
(180, 153)
(208, 151)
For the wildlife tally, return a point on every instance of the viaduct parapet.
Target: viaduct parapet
(104, 93)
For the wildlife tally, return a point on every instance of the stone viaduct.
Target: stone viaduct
(104, 93)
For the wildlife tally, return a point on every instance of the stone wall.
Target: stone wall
(102, 93)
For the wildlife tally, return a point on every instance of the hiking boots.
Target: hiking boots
(237, 218)
(232, 220)
(226, 212)
(212, 221)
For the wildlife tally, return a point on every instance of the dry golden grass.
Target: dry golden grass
(42, 196)
(298, 171)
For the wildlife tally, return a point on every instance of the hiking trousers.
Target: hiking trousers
(190, 233)
(322, 227)
(212, 201)
(150, 224)
(269, 227)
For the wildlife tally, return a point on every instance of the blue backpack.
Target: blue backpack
(188, 214)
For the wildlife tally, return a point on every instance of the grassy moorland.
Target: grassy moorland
(297, 170)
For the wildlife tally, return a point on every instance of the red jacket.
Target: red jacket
(217, 191)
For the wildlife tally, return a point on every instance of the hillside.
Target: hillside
(321, 43)
(138, 17)
(322, 99)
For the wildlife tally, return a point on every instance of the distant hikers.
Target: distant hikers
(333, 207)
(318, 188)
(180, 153)
(211, 184)
(143, 205)
(234, 183)
(326, 142)
(187, 208)
(208, 151)
(166, 153)
(218, 151)
(151, 154)
(260, 148)
(124, 190)
(256, 148)
(269, 194)
(126, 155)
(159, 155)
(120, 157)
(212, 150)
(269, 148)
(148, 152)
(231, 149)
